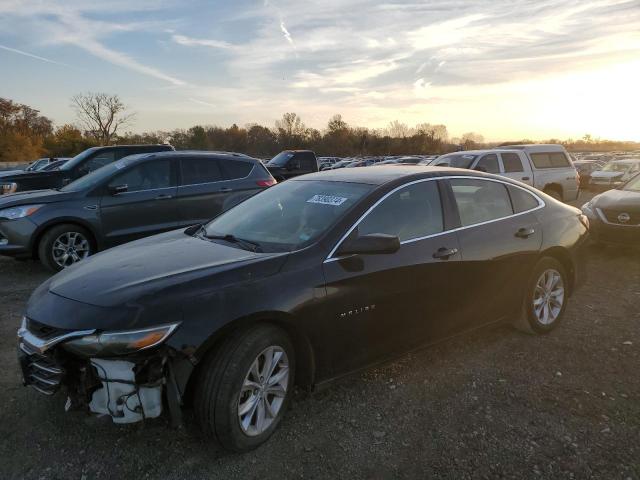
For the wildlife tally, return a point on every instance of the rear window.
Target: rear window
(236, 169)
(200, 170)
(549, 160)
(521, 200)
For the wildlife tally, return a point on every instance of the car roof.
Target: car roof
(385, 174)
(192, 153)
(535, 147)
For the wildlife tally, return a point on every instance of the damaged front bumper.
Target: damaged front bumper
(128, 388)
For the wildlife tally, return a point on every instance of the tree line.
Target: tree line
(25, 134)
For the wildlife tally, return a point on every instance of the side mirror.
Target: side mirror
(373, 243)
(116, 189)
(480, 168)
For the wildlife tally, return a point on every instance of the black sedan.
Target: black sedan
(311, 279)
(615, 215)
(137, 196)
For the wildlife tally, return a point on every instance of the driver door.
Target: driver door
(383, 304)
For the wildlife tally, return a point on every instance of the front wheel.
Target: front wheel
(545, 299)
(63, 245)
(244, 388)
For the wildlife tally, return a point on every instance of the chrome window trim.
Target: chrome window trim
(541, 204)
(603, 217)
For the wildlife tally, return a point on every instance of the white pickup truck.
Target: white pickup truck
(545, 167)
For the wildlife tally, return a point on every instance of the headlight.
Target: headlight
(19, 212)
(8, 188)
(119, 343)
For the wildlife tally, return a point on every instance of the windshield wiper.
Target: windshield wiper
(246, 244)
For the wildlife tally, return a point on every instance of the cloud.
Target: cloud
(31, 55)
(69, 23)
(285, 32)
(190, 42)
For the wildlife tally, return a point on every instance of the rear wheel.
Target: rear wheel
(63, 245)
(545, 299)
(245, 387)
(553, 192)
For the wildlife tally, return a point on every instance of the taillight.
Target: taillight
(585, 220)
(266, 183)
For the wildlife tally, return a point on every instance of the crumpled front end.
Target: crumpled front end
(128, 388)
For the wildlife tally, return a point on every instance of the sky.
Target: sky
(507, 69)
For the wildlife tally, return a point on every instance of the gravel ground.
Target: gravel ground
(492, 404)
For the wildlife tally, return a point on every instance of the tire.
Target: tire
(554, 193)
(78, 239)
(532, 319)
(220, 390)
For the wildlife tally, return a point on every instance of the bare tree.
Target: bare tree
(101, 115)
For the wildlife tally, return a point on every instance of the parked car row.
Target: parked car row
(300, 284)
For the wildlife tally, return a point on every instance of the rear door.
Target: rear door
(500, 237)
(516, 167)
(146, 208)
(379, 305)
(202, 190)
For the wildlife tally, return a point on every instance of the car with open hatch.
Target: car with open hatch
(311, 279)
(137, 196)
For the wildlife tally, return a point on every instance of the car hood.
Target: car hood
(601, 174)
(619, 200)
(33, 197)
(7, 173)
(149, 267)
(24, 175)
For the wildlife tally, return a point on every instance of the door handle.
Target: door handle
(225, 189)
(164, 197)
(525, 178)
(525, 232)
(444, 253)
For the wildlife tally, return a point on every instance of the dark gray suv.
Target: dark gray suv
(131, 198)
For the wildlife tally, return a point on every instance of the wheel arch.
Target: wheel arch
(563, 256)
(37, 238)
(304, 352)
(554, 186)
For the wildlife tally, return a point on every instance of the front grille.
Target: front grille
(41, 371)
(612, 217)
(43, 331)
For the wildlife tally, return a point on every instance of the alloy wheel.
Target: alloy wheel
(69, 248)
(263, 391)
(548, 297)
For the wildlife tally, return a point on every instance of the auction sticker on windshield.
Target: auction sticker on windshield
(327, 200)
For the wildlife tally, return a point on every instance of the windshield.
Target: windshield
(78, 158)
(281, 159)
(290, 215)
(457, 160)
(91, 179)
(616, 167)
(633, 185)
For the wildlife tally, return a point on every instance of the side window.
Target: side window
(558, 159)
(124, 152)
(541, 160)
(411, 212)
(522, 200)
(511, 162)
(235, 169)
(100, 160)
(489, 164)
(146, 176)
(480, 200)
(197, 170)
